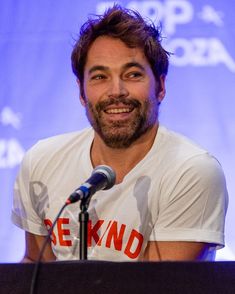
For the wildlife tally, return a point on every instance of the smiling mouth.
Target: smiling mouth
(118, 110)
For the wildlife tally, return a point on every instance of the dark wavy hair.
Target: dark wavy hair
(128, 26)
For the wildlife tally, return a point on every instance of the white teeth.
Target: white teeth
(118, 110)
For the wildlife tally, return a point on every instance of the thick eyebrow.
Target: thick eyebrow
(98, 67)
(133, 64)
(124, 67)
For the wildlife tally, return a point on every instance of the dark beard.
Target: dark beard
(120, 134)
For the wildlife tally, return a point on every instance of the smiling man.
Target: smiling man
(170, 197)
(124, 95)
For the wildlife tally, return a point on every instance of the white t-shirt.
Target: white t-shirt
(177, 192)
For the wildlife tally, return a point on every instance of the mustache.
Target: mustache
(112, 101)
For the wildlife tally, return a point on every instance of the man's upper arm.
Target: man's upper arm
(176, 251)
(193, 206)
(34, 244)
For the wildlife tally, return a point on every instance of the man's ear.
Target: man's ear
(162, 88)
(82, 96)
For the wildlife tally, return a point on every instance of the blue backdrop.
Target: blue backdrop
(39, 96)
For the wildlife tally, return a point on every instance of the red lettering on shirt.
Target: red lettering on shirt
(135, 236)
(48, 224)
(93, 232)
(115, 236)
(63, 232)
(101, 238)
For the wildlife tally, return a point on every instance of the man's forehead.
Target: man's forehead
(109, 52)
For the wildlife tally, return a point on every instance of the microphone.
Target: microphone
(102, 178)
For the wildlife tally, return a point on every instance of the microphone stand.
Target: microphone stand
(83, 220)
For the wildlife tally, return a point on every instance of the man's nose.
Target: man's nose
(117, 88)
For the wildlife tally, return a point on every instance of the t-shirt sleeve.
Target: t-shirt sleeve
(24, 212)
(193, 203)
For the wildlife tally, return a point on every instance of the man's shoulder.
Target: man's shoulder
(178, 144)
(61, 140)
(180, 152)
(62, 143)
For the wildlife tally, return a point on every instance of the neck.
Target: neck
(122, 160)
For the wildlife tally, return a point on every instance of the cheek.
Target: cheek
(139, 91)
(147, 92)
(148, 87)
(93, 94)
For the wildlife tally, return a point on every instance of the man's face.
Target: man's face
(120, 93)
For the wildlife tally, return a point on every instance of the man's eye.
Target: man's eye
(98, 77)
(134, 75)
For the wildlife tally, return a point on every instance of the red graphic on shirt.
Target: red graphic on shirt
(63, 232)
(113, 235)
(48, 224)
